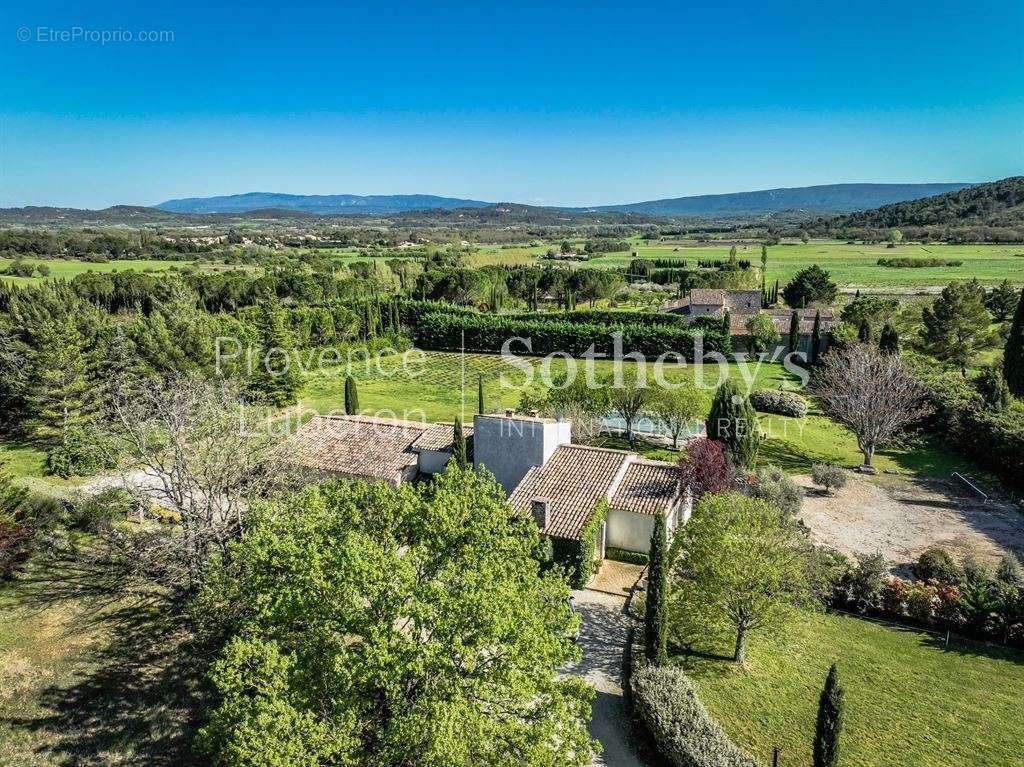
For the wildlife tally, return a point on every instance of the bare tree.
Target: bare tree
(870, 393)
(194, 448)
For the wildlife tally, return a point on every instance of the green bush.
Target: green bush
(779, 402)
(936, 564)
(829, 477)
(666, 703)
(629, 557)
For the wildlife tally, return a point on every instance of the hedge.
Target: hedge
(993, 439)
(444, 331)
(629, 557)
(665, 701)
(779, 402)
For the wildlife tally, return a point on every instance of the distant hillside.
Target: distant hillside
(831, 198)
(995, 204)
(317, 204)
(131, 215)
(506, 213)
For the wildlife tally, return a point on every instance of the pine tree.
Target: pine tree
(1013, 357)
(830, 721)
(61, 391)
(117, 370)
(459, 454)
(480, 394)
(733, 422)
(275, 378)
(816, 339)
(993, 389)
(351, 396)
(794, 333)
(889, 340)
(864, 331)
(655, 632)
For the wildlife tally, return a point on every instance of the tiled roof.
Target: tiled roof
(357, 446)
(707, 297)
(647, 487)
(573, 481)
(439, 436)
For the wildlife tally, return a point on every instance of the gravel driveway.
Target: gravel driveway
(603, 642)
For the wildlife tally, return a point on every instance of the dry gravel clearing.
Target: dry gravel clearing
(902, 517)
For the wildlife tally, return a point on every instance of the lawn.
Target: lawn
(437, 386)
(910, 701)
(851, 266)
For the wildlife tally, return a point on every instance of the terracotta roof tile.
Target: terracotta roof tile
(357, 446)
(647, 487)
(439, 436)
(573, 481)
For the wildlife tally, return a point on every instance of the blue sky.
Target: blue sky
(567, 103)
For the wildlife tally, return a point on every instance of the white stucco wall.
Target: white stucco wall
(509, 447)
(629, 530)
(433, 461)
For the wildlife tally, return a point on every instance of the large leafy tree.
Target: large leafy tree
(394, 626)
(808, 286)
(955, 327)
(732, 421)
(1013, 357)
(762, 332)
(740, 566)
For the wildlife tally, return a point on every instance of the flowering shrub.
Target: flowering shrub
(894, 596)
(921, 599)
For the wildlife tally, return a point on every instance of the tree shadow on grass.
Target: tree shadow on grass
(135, 698)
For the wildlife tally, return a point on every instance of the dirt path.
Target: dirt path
(902, 517)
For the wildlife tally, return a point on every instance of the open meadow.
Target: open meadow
(63, 268)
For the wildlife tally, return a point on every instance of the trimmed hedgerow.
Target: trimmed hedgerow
(685, 734)
(444, 331)
(779, 402)
(622, 555)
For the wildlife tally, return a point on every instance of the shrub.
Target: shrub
(16, 545)
(666, 702)
(578, 556)
(894, 596)
(935, 564)
(949, 609)
(867, 580)
(774, 485)
(629, 557)
(99, 511)
(829, 477)
(921, 600)
(779, 402)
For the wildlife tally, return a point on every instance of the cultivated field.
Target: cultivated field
(911, 701)
(70, 268)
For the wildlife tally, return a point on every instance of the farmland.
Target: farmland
(70, 268)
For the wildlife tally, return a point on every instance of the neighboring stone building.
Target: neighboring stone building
(713, 302)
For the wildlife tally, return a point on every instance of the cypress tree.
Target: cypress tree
(794, 332)
(733, 422)
(655, 614)
(727, 324)
(1013, 357)
(459, 456)
(864, 331)
(889, 340)
(351, 396)
(480, 394)
(816, 338)
(830, 721)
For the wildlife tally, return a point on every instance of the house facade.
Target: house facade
(544, 475)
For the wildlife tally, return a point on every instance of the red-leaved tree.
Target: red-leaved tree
(705, 469)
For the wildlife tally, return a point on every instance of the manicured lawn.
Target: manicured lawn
(910, 701)
(439, 386)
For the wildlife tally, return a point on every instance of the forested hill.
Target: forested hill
(995, 204)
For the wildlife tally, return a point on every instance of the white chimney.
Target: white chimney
(539, 509)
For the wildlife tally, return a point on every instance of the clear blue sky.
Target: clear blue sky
(553, 103)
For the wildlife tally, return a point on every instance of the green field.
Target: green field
(70, 268)
(910, 700)
(856, 266)
(440, 386)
